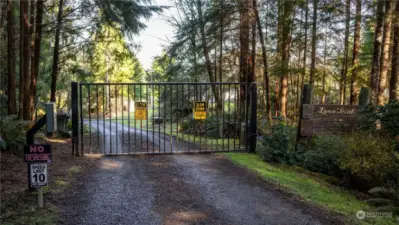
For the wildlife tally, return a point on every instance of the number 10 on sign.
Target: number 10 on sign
(38, 175)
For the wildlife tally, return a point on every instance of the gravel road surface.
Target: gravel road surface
(182, 189)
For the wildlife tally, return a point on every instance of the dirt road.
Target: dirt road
(182, 189)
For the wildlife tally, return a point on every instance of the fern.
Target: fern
(11, 133)
(385, 199)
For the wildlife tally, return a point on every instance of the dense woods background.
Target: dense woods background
(338, 46)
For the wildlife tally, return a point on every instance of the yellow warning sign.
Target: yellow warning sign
(199, 110)
(140, 112)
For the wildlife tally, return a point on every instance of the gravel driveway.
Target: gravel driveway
(182, 189)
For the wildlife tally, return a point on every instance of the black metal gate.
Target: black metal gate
(159, 118)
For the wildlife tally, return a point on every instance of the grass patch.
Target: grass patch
(308, 187)
(74, 169)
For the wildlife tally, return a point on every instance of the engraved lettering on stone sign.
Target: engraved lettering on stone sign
(338, 111)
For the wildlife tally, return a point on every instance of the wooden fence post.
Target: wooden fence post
(306, 98)
(365, 96)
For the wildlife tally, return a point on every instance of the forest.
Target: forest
(337, 47)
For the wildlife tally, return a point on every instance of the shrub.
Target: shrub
(278, 144)
(370, 160)
(12, 133)
(323, 156)
(387, 116)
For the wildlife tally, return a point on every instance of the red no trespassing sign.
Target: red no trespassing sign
(37, 153)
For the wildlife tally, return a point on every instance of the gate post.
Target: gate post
(75, 118)
(253, 129)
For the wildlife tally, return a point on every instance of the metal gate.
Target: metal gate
(159, 118)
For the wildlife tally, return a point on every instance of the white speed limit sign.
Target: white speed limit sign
(38, 175)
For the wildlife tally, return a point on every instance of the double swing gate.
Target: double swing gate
(159, 118)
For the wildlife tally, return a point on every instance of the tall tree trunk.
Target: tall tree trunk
(54, 72)
(285, 56)
(375, 68)
(253, 47)
(25, 59)
(385, 52)
(36, 55)
(355, 58)
(266, 84)
(23, 8)
(314, 39)
(344, 71)
(221, 41)
(323, 94)
(245, 72)
(305, 43)
(206, 52)
(393, 83)
(11, 92)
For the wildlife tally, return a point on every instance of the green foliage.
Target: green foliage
(385, 199)
(369, 160)
(323, 155)
(381, 119)
(278, 144)
(12, 133)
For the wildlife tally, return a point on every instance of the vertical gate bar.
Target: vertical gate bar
(134, 119)
(98, 124)
(246, 116)
(200, 99)
(228, 117)
(206, 109)
(104, 109)
(116, 119)
(81, 118)
(223, 124)
(153, 113)
(123, 123)
(253, 123)
(89, 111)
(194, 121)
(164, 115)
(75, 118)
(212, 104)
(141, 121)
(171, 118)
(110, 119)
(217, 117)
(188, 99)
(235, 115)
(128, 115)
(146, 99)
(177, 118)
(159, 116)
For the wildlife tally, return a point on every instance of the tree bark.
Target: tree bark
(314, 39)
(356, 48)
(305, 43)
(344, 71)
(393, 83)
(221, 41)
(36, 55)
(11, 92)
(266, 84)
(385, 52)
(375, 67)
(54, 72)
(25, 59)
(285, 56)
(206, 52)
(323, 94)
(23, 8)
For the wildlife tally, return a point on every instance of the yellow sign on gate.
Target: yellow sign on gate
(199, 110)
(140, 112)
